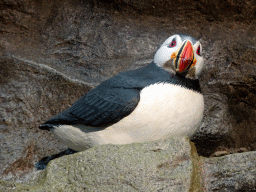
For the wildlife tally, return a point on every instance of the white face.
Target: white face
(172, 45)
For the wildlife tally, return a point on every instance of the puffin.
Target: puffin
(154, 102)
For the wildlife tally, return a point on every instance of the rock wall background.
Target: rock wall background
(52, 52)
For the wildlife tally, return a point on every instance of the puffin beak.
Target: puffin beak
(184, 57)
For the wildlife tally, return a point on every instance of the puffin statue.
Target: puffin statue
(159, 100)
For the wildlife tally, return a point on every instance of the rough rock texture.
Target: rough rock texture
(165, 165)
(212, 10)
(236, 172)
(52, 52)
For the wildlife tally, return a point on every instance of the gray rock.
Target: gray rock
(164, 165)
(236, 172)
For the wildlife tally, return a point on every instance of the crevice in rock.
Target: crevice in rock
(196, 184)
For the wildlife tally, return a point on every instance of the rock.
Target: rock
(25, 96)
(229, 91)
(236, 172)
(165, 165)
(171, 164)
(211, 10)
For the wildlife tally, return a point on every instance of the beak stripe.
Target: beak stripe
(177, 59)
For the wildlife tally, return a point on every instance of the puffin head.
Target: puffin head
(181, 54)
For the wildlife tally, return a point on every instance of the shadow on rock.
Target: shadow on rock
(40, 165)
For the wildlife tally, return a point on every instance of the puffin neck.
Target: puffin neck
(181, 80)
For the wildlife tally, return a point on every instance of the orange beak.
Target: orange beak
(184, 57)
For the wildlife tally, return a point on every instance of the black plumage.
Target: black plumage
(116, 97)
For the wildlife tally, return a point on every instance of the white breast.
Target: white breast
(164, 110)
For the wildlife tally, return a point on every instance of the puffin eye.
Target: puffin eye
(198, 52)
(173, 43)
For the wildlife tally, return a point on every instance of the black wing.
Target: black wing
(106, 104)
(109, 102)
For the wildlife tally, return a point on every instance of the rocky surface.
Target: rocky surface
(165, 165)
(236, 172)
(52, 52)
